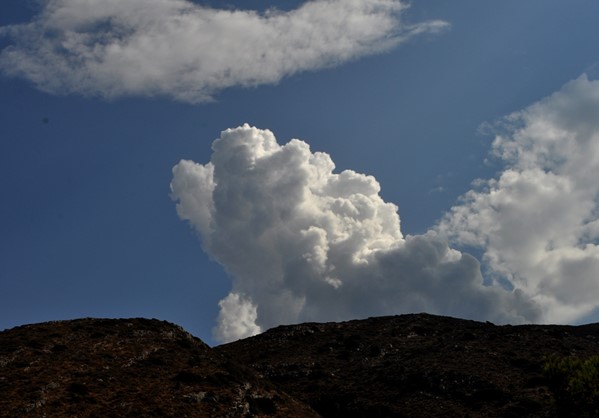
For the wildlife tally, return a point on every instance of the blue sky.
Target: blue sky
(87, 224)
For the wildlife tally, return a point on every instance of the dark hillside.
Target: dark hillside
(416, 365)
(127, 368)
(403, 366)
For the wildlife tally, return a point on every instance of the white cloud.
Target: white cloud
(537, 222)
(180, 49)
(303, 243)
(237, 318)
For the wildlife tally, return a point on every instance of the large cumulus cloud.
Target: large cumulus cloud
(303, 243)
(537, 222)
(187, 51)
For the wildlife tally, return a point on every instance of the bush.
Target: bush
(575, 384)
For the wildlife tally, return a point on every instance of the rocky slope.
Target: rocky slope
(415, 365)
(402, 366)
(127, 368)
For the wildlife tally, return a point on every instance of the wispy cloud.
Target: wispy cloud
(179, 49)
(538, 220)
(303, 243)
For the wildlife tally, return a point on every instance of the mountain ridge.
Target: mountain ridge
(415, 365)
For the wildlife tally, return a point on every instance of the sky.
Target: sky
(235, 165)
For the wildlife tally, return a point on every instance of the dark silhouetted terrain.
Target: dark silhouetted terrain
(403, 366)
(127, 368)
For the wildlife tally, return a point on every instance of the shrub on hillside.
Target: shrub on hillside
(575, 383)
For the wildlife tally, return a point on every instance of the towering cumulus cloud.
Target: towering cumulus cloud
(181, 49)
(303, 243)
(538, 221)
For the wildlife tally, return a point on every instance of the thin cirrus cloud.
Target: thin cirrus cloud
(303, 243)
(189, 52)
(537, 222)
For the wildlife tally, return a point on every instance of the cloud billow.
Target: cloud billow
(188, 52)
(537, 222)
(303, 243)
